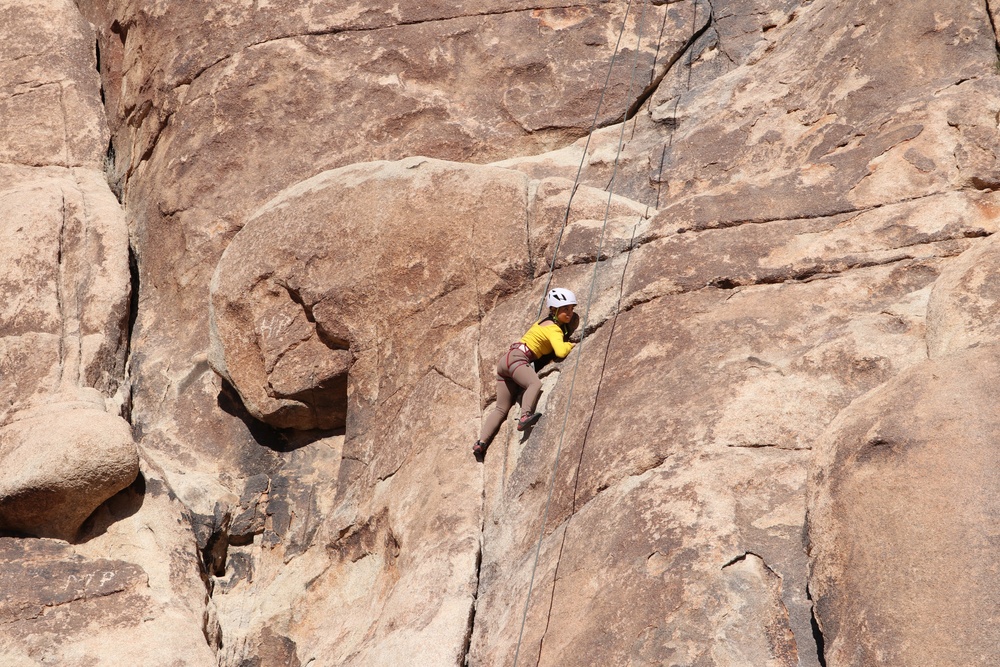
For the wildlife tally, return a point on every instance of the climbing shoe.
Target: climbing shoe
(479, 449)
(527, 419)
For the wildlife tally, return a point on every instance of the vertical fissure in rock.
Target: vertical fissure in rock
(60, 275)
(686, 48)
(97, 58)
(114, 183)
(81, 280)
(993, 27)
(471, 626)
(212, 538)
(529, 201)
(132, 316)
(817, 631)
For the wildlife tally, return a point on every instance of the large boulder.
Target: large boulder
(60, 462)
(431, 246)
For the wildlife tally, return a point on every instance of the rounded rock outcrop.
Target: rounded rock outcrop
(902, 519)
(61, 462)
(372, 266)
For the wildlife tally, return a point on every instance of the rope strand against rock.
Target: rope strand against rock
(590, 300)
(583, 158)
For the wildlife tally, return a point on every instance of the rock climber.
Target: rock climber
(515, 371)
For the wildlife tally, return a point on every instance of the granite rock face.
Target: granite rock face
(338, 217)
(901, 519)
(118, 581)
(65, 278)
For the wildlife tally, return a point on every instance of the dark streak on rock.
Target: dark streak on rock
(648, 91)
(471, 625)
(817, 631)
(993, 27)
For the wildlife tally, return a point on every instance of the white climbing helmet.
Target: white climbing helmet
(561, 297)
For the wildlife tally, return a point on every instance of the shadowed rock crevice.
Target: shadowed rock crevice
(685, 49)
(133, 314)
(818, 637)
(277, 439)
(212, 535)
(60, 286)
(472, 608)
(742, 558)
(993, 27)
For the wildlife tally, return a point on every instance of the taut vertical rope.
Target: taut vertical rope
(586, 318)
(583, 158)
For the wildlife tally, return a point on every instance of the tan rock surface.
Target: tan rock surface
(902, 519)
(885, 110)
(65, 276)
(129, 593)
(798, 220)
(65, 267)
(965, 304)
(723, 396)
(435, 253)
(49, 88)
(61, 461)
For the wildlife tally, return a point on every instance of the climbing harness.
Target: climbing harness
(590, 296)
(530, 356)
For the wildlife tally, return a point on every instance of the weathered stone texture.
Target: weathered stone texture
(902, 519)
(794, 276)
(65, 278)
(433, 244)
(207, 133)
(129, 594)
(49, 87)
(964, 310)
(60, 462)
(426, 267)
(65, 267)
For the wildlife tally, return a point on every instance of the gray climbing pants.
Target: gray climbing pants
(514, 372)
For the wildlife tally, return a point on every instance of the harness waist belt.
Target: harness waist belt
(524, 348)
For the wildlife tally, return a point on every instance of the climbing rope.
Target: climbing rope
(677, 98)
(583, 158)
(590, 295)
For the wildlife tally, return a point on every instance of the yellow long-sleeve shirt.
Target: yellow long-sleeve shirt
(545, 339)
